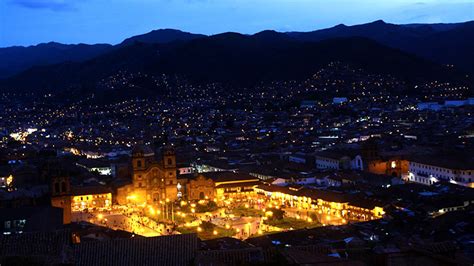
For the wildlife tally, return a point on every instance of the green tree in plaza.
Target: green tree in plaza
(278, 214)
(207, 226)
(209, 207)
(313, 216)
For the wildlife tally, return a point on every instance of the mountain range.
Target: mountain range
(414, 51)
(16, 59)
(442, 43)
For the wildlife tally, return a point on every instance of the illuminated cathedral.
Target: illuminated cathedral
(153, 180)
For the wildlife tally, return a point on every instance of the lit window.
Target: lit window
(394, 164)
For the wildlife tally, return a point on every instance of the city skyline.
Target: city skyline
(236, 132)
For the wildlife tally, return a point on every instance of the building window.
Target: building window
(393, 164)
(19, 223)
(139, 163)
(170, 162)
(7, 224)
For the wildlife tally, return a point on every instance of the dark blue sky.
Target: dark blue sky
(26, 22)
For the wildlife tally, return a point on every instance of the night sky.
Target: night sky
(26, 22)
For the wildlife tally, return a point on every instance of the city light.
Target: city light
(235, 140)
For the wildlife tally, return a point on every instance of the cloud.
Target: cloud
(55, 5)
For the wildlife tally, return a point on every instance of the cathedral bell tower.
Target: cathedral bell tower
(169, 171)
(138, 158)
(169, 157)
(370, 150)
(61, 196)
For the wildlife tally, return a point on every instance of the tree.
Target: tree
(313, 216)
(278, 214)
(209, 207)
(207, 226)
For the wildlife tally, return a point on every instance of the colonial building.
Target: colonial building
(429, 170)
(382, 164)
(212, 185)
(196, 187)
(339, 160)
(70, 198)
(61, 196)
(90, 197)
(233, 185)
(342, 205)
(394, 166)
(152, 180)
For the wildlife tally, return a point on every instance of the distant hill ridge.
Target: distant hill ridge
(234, 57)
(16, 59)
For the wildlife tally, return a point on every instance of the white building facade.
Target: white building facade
(430, 174)
(343, 163)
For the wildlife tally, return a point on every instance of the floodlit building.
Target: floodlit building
(230, 184)
(90, 197)
(152, 180)
(61, 196)
(196, 187)
(429, 170)
(325, 201)
(389, 166)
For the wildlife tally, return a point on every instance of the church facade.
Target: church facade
(153, 181)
